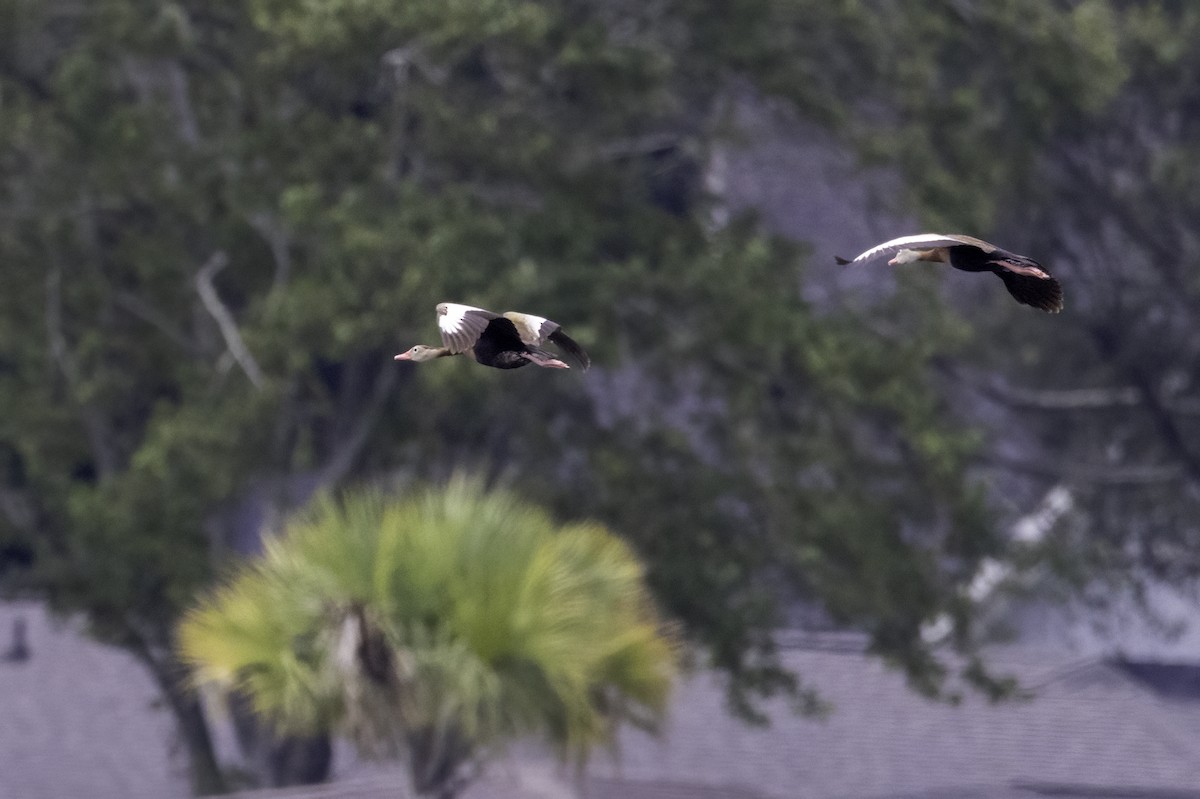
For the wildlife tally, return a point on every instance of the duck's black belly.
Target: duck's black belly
(500, 346)
(971, 259)
(503, 359)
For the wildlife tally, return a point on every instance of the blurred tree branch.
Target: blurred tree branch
(224, 319)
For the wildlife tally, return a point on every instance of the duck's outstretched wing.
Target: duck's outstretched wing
(1043, 293)
(921, 241)
(462, 325)
(537, 330)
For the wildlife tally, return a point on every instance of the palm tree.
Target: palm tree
(439, 628)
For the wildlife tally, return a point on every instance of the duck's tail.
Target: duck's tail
(569, 346)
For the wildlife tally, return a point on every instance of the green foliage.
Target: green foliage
(353, 163)
(1070, 130)
(980, 92)
(460, 613)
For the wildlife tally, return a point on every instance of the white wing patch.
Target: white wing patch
(533, 330)
(461, 325)
(921, 241)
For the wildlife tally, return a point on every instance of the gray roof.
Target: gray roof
(82, 719)
(1089, 725)
(1093, 728)
(531, 780)
(602, 788)
(79, 719)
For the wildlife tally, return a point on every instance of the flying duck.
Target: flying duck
(1024, 277)
(506, 341)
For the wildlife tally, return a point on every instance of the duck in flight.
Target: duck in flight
(1025, 279)
(505, 341)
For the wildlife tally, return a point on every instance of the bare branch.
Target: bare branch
(626, 148)
(224, 319)
(1168, 428)
(177, 85)
(404, 61)
(149, 315)
(1075, 399)
(1099, 398)
(511, 195)
(18, 508)
(1149, 233)
(1115, 476)
(161, 78)
(347, 453)
(280, 243)
(54, 327)
(93, 422)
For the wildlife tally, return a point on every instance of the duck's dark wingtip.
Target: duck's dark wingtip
(841, 260)
(573, 349)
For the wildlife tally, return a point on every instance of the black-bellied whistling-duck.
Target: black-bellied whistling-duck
(1024, 277)
(505, 341)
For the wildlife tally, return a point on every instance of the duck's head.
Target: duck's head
(421, 353)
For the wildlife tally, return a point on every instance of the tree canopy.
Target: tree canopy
(1080, 146)
(218, 221)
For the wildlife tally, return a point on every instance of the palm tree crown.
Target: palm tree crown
(438, 628)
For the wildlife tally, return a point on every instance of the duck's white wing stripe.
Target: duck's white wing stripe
(533, 330)
(461, 325)
(919, 241)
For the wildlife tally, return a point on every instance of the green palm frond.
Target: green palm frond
(445, 623)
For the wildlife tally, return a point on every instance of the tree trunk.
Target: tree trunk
(171, 676)
(278, 761)
(300, 760)
(438, 761)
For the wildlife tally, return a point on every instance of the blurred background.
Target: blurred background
(913, 538)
